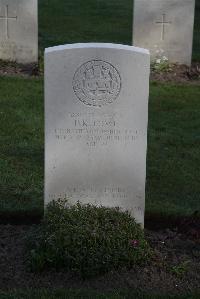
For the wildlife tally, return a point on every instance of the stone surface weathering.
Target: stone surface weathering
(165, 27)
(96, 111)
(19, 30)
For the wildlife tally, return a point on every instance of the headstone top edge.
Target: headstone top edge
(97, 46)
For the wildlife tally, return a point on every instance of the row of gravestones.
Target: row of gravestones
(96, 110)
(165, 27)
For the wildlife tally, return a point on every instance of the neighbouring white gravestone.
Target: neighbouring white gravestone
(96, 111)
(19, 30)
(165, 27)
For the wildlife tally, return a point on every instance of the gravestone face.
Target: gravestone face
(96, 110)
(19, 30)
(165, 27)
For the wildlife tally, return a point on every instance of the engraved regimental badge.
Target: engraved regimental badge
(97, 83)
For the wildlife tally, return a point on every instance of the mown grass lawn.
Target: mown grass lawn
(173, 160)
(21, 146)
(173, 164)
(71, 21)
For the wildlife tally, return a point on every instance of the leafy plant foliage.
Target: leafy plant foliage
(86, 240)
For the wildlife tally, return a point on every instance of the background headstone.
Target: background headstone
(19, 30)
(96, 103)
(165, 27)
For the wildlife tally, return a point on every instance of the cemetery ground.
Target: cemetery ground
(173, 167)
(173, 149)
(172, 195)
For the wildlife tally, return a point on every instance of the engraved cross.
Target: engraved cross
(163, 23)
(7, 18)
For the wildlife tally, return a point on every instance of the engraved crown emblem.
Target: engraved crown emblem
(97, 83)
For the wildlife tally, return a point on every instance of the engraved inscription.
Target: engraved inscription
(117, 194)
(7, 18)
(97, 83)
(163, 23)
(96, 137)
(92, 130)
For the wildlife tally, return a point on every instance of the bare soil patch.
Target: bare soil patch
(174, 269)
(178, 74)
(15, 69)
(175, 73)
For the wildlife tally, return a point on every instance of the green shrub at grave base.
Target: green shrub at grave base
(86, 240)
(162, 65)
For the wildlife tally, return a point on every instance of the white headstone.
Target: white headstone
(19, 30)
(96, 111)
(165, 27)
